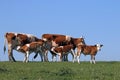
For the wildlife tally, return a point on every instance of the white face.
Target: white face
(98, 47)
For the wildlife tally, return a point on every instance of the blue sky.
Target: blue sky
(97, 20)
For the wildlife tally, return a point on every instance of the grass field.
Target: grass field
(59, 71)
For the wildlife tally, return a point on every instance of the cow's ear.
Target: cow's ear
(101, 45)
(95, 45)
(81, 37)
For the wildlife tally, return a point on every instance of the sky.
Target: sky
(97, 20)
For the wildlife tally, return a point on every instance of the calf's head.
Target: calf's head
(99, 46)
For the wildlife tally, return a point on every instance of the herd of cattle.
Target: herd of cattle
(57, 44)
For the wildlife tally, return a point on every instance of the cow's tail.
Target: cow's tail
(5, 41)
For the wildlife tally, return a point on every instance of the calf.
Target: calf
(88, 50)
(62, 50)
(37, 47)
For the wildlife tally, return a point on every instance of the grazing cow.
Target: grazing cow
(62, 50)
(16, 39)
(88, 50)
(36, 47)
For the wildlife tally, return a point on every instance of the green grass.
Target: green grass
(59, 71)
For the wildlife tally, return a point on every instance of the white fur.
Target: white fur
(68, 38)
(59, 54)
(98, 47)
(52, 49)
(18, 47)
(29, 35)
(15, 34)
(28, 45)
(61, 47)
(78, 58)
(44, 39)
(54, 44)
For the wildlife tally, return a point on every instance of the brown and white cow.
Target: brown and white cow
(36, 47)
(61, 51)
(88, 50)
(57, 39)
(62, 40)
(16, 39)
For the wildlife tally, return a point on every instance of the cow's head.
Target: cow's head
(99, 46)
(82, 40)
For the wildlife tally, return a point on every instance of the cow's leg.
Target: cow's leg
(35, 56)
(26, 57)
(54, 59)
(78, 59)
(92, 59)
(59, 57)
(66, 57)
(53, 56)
(10, 54)
(41, 55)
(73, 55)
(46, 55)
(78, 56)
(63, 58)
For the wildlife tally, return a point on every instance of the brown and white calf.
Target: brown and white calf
(88, 50)
(36, 47)
(16, 39)
(61, 51)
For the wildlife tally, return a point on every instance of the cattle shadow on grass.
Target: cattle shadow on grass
(3, 70)
(65, 72)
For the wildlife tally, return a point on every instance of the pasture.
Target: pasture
(59, 71)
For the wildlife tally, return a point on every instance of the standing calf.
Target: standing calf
(61, 51)
(88, 50)
(37, 47)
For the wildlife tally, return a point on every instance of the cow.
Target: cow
(62, 40)
(16, 39)
(88, 50)
(36, 47)
(61, 51)
(56, 39)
